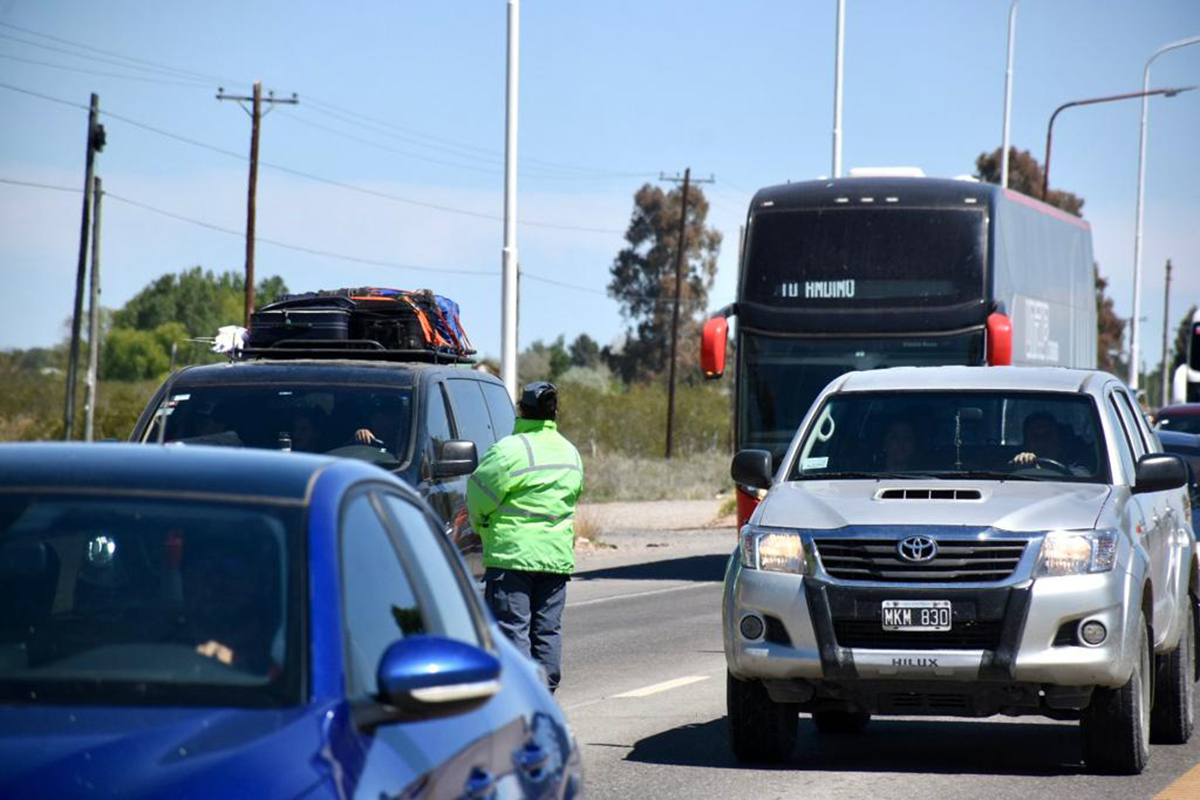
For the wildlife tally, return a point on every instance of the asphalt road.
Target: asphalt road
(644, 689)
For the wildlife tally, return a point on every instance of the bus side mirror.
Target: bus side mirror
(999, 340)
(713, 338)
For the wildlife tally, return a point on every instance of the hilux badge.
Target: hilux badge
(917, 549)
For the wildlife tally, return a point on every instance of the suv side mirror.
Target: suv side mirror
(1159, 472)
(458, 457)
(752, 468)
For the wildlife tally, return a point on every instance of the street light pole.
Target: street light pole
(837, 88)
(1012, 38)
(1089, 102)
(1135, 327)
(508, 303)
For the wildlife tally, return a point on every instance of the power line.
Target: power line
(81, 70)
(319, 252)
(314, 177)
(348, 116)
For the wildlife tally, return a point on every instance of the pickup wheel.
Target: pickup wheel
(1116, 725)
(841, 722)
(760, 730)
(1174, 714)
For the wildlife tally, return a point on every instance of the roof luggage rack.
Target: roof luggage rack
(366, 349)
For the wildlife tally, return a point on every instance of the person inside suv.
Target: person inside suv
(384, 426)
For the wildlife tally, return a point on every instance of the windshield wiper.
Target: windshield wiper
(838, 476)
(990, 474)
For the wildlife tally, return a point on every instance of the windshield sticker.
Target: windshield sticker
(179, 398)
(816, 462)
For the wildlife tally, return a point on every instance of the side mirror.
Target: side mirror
(713, 338)
(426, 677)
(752, 468)
(1159, 472)
(458, 457)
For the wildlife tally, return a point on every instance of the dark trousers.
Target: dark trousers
(529, 607)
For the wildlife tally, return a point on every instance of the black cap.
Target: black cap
(539, 400)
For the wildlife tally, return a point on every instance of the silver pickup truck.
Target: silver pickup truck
(966, 541)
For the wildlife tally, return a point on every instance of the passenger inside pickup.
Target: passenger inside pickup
(899, 445)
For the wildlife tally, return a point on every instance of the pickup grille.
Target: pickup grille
(957, 561)
(971, 635)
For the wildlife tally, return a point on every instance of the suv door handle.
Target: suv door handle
(480, 784)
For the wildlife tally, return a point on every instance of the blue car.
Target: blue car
(196, 622)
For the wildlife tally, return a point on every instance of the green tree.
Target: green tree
(1025, 175)
(643, 277)
(584, 351)
(1110, 330)
(543, 362)
(176, 308)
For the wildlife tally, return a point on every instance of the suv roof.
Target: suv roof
(345, 371)
(1051, 379)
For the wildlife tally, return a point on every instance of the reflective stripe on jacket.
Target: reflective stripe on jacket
(522, 498)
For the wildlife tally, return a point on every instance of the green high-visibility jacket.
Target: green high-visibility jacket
(522, 498)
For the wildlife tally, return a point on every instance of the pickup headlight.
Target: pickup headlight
(772, 549)
(1077, 553)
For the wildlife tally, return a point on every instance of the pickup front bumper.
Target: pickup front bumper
(821, 634)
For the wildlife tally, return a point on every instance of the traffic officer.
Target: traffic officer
(522, 503)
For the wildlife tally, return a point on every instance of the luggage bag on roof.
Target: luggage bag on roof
(387, 319)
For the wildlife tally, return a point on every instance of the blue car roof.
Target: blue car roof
(172, 468)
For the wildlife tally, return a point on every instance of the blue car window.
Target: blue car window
(450, 611)
(379, 604)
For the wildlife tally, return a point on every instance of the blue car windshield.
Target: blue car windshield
(1043, 436)
(125, 600)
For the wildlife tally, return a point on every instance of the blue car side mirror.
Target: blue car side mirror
(423, 677)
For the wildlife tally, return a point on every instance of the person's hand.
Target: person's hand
(1025, 459)
(214, 649)
(364, 436)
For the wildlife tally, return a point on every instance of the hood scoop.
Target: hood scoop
(929, 494)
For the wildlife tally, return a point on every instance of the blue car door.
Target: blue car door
(383, 602)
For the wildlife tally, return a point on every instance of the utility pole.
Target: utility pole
(510, 267)
(95, 143)
(1166, 365)
(256, 114)
(680, 247)
(89, 403)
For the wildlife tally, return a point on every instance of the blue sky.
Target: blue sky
(612, 93)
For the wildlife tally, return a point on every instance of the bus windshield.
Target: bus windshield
(783, 375)
(857, 257)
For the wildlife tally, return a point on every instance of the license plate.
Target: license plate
(916, 615)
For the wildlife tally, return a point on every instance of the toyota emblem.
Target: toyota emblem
(917, 549)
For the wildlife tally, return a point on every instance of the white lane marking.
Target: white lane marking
(646, 593)
(664, 686)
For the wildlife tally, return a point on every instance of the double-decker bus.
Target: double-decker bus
(871, 272)
(1186, 381)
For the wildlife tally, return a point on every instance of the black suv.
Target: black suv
(427, 423)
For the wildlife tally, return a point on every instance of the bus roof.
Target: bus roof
(898, 191)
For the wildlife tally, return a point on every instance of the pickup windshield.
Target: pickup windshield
(372, 423)
(955, 435)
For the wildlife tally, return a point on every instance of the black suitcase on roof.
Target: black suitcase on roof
(324, 319)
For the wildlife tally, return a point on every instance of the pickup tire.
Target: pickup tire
(1174, 715)
(761, 731)
(841, 722)
(1116, 725)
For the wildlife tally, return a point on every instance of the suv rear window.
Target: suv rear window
(373, 424)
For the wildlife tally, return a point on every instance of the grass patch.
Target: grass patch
(615, 477)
